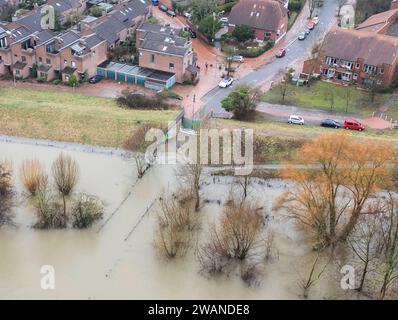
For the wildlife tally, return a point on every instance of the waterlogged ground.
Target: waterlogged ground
(116, 259)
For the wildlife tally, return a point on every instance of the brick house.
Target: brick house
(268, 18)
(161, 48)
(356, 57)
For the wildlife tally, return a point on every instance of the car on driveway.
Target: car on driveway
(353, 125)
(95, 79)
(295, 119)
(302, 36)
(224, 20)
(330, 123)
(281, 53)
(311, 25)
(163, 8)
(226, 82)
(171, 13)
(190, 31)
(238, 59)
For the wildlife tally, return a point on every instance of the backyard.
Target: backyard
(71, 117)
(329, 97)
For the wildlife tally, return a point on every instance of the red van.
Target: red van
(353, 125)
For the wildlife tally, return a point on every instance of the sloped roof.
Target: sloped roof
(374, 48)
(127, 12)
(165, 43)
(377, 21)
(32, 21)
(258, 14)
(109, 29)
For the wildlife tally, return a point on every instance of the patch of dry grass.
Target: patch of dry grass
(71, 117)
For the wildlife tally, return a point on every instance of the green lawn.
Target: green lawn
(321, 94)
(71, 117)
(292, 19)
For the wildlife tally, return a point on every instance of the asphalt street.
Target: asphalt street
(296, 50)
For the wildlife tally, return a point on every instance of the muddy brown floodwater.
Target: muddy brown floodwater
(101, 263)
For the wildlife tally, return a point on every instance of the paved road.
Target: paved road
(296, 51)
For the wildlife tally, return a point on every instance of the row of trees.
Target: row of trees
(54, 202)
(337, 197)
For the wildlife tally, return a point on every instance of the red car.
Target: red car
(281, 53)
(311, 25)
(353, 125)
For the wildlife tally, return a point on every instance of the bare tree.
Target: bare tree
(66, 174)
(314, 275)
(236, 241)
(175, 226)
(389, 258)
(6, 194)
(33, 176)
(364, 242)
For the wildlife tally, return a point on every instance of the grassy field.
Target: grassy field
(320, 95)
(71, 117)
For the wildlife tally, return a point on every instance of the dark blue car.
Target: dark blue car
(330, 123)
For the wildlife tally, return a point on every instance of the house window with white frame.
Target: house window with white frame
(331, 60)
(369, 69)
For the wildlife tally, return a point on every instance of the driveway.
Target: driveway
(297, 52)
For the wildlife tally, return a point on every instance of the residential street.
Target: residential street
(297, 52)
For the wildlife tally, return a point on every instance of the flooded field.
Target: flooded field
(115, 259)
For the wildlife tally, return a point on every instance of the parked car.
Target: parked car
(315, 20)
(353, 125)
(163, 8)
(155, 2)
(171, 13)
(294, 119)
(281, 53)
(302, 36)
(311, 25)
(330, 123)
(224, 20)
(190, 31)
(238, 59)
(95, 79)
(307, 31)
(188, 15)
(226, 82)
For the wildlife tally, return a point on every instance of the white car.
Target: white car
(294, 119)
(238, 59)
(188, 15)
(226, 82)
(224, 20)
(315, 19)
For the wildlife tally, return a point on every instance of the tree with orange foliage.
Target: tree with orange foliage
(338, 177)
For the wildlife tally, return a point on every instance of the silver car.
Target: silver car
(302, 36)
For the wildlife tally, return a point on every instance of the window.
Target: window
(347, 64)
(355, 76)
(330, 73)
(357, 66)
(381, 70)
(48, 61)
(73, 64)
(346, 76)
(65, 62)
(330, 60)
(369, 69)
(171, 66)
(23, 58)
(40, 59)
(3, 42)
(17, 71)
(152, 58)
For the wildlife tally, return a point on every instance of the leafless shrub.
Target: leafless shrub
(86, 209)
(176, 223)
(49, 211)
(33, 176)
(237, 241)
(65, 173)
(6, 194)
